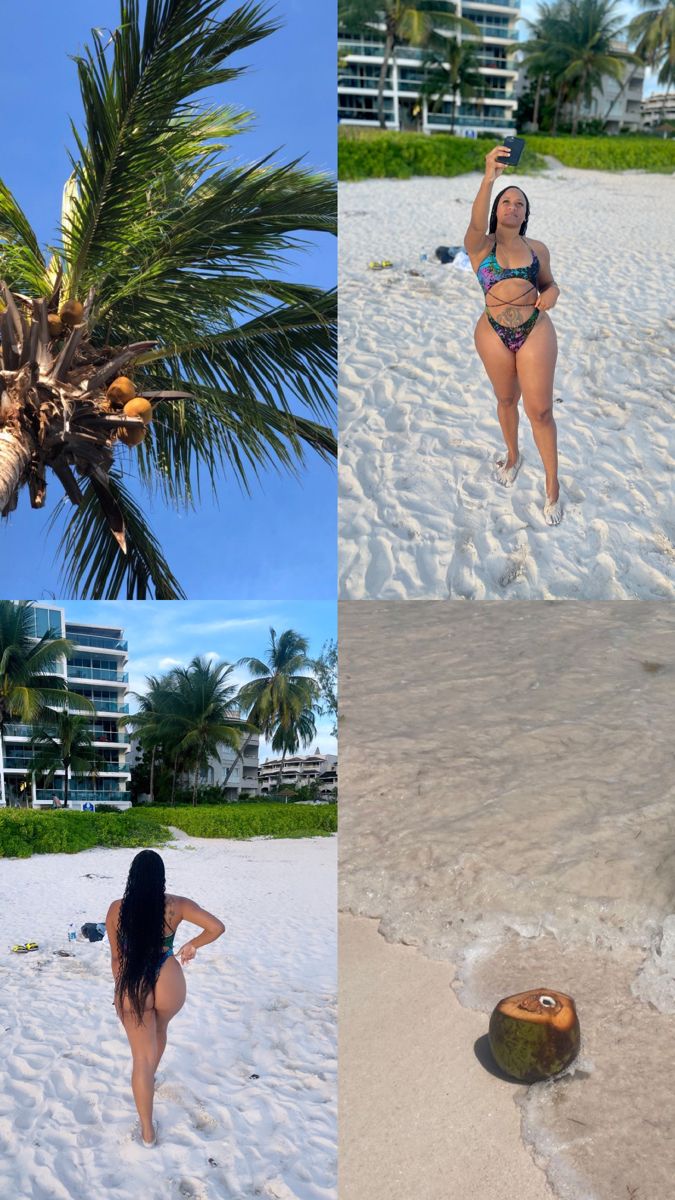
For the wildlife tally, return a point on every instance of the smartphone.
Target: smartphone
(516, 145)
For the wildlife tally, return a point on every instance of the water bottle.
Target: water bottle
(424, 257)
(72, 935)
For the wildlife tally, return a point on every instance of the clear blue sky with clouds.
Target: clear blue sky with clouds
(164, 634)
(281, 541)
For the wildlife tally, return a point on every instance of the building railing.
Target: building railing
(98, 734)
(472, 122)
(468, 4)
(77, 672)
(99, 643)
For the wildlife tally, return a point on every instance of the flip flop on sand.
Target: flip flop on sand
(32, 946)
(19, 950)
(380, 265)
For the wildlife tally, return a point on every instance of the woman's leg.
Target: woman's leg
(170, 994)
(143, 1043)
(535, 362)
(500, 366)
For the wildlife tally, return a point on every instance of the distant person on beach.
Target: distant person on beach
(515, 337)
(149, 983)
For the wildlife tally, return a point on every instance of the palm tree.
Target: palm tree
(451, 69)
(540, 54)
(653, 31)
(64, 741)
(29, 688)
(591, 27)
(154, 705)
(163, 290)
(199, 715)
(404, 23)
(280, 700)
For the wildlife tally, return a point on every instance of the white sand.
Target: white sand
(260, 1002)
(419, 1115)
(420, 514)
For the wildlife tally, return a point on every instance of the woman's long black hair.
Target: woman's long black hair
(492, 227)
(140, 930)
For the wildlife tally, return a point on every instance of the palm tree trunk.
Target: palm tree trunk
(239, 755)
(65, 787)
(620, 93)
(281, 771)
(152, 775)
(452, 110)
(388, 49)
(558, 105)
(537, 101)
(173, 783)
(14, 458)
(3, 797)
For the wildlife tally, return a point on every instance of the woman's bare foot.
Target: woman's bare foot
(149, 1136)
(553, 509)
(507, 469)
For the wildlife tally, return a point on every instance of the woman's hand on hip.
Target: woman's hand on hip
(186, 953)
(494, 169)
(548, 298)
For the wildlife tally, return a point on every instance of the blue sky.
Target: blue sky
(163, 634)
(281, 541)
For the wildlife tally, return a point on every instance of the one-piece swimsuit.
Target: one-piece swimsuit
(491, 272)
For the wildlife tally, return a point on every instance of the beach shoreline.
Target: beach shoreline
(420, 1115)
(420, 513)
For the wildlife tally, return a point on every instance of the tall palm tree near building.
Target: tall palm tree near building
(591, 27)
(451, 69)
(30, 687)
(404, 24)
(153, 706)
(280, 699)
(541, 54)
(64, 742)
(157, 337)
(653, 32)
(200, 715)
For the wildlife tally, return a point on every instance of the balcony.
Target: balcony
(75, 671)
(103, 706)
(96, 643)
(109, 768)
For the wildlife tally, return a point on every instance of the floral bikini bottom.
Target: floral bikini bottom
(513, 338)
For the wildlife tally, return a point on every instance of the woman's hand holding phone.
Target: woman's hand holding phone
(493, 167)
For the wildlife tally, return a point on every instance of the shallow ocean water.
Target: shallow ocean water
(508, 804)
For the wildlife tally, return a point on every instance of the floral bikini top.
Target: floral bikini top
(490, 272)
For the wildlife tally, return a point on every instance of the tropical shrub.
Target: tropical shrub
(388, 155)
(246, 819)
(23, 833)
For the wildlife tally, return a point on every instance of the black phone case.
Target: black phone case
(516, 145)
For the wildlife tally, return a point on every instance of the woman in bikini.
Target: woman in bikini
(515, 337)
(149, 983)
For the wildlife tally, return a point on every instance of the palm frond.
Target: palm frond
(21, 260)
(94, 562)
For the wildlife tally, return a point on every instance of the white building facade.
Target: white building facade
(97, 670)
(657, 108)
(300, 771)
(491, 111)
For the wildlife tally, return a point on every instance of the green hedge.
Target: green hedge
(373, 154)
(27, 832)
(257, 819)
(377, 155)
(609, 153)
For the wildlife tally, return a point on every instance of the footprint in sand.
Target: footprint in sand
(195, 1110)
(189, 1189)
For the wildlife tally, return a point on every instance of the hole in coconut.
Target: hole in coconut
(547, 1001)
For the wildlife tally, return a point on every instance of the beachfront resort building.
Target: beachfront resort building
(300, 771)
(617, 103)
(235, 771)
(657, 109)
(491, 110)
(97, 670)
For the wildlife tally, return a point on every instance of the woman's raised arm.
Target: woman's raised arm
(474, 239)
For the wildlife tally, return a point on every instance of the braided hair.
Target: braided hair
(492, 228)
(140, 930)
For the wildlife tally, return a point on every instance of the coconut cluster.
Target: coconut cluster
(121, 396)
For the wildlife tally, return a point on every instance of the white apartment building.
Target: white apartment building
(237, 772)
(493, 110)
(95, 670)
(657, 108)
(299, 771)
(618, 102)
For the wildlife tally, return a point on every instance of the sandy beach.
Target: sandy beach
(420, 515)
(246, 1092)
(508, 793)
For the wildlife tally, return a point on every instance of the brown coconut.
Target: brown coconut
(139, 408)
(56, 326)
(131, 435)
(121, 390)
(71, 313)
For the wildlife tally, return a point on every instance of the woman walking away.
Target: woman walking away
(149, 982)
(514, 336)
